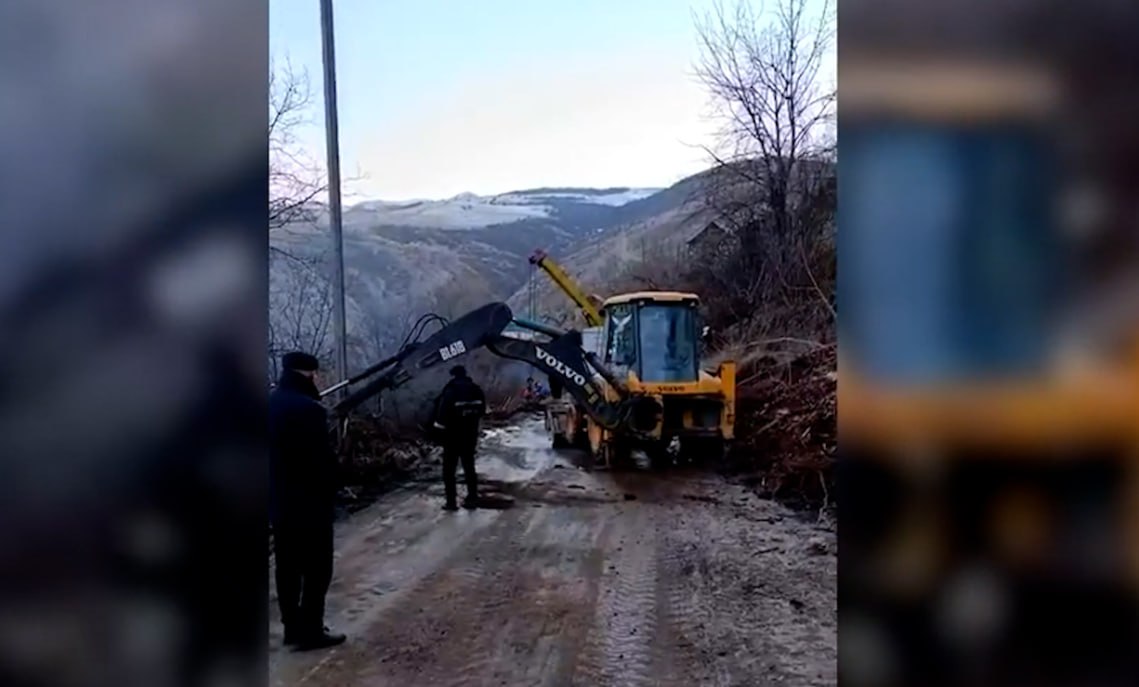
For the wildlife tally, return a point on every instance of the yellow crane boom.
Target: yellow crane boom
(569, 286)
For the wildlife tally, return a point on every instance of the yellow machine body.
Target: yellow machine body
(652, 340)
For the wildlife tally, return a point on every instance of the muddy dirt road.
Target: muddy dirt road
(590, 579)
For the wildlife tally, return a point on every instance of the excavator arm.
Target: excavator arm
(470, 332)
(561, 358)
(565, 360)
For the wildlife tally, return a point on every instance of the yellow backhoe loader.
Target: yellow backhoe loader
(652, 340)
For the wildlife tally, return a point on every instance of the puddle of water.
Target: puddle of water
(516, 453)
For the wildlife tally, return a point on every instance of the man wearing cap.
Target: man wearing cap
(302, 502)
(458, 411)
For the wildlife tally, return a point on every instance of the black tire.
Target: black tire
(581, 437)
(659, 457)
(620, 454)
(588, 461)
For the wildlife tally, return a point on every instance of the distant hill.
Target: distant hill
(648, 232)
(659, 224)
(408, 257)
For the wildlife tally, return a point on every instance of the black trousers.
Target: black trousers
(303, 554)
(453, 454)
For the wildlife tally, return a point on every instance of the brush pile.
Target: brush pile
(375, 456)
(785, 427)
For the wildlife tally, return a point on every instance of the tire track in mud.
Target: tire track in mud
(438, 617)
(396, 594)
(361, 590)
(688, 617)
(509, 606)
(742, 619)
(475, 659)
(621, 650)
(677, 584)
(546, 605)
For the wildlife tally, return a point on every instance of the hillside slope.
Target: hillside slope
(651, 230)
(406, 258)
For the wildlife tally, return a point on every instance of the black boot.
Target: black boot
(321, 639)
(471, 502)
(293, 636)
(450, 506)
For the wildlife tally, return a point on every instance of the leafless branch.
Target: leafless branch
(295, 180)
(772, 180)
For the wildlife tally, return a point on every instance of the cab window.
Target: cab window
(621, 346)
(668, 343)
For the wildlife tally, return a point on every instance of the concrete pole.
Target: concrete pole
(331, 129)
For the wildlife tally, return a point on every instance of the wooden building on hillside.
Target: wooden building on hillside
(708, 242)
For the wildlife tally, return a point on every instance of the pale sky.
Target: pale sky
(440, 97)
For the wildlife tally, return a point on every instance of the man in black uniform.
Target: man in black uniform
(457, 413)
(302, 502)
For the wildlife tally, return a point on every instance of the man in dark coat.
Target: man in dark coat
(458, 411)
(302, 502)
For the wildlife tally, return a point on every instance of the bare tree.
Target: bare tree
(295, 179)
(300, 307)
(773, 181)
(381, 335)
(300, 298)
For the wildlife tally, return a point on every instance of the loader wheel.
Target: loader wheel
(659, 458)
(660, 461)
(581, 437)
(620, 455)
(589, 460)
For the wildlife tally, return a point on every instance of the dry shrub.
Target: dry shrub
(785, 427)
(375, 455)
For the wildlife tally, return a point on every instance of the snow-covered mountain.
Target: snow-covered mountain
(405, 258)
(470, 211)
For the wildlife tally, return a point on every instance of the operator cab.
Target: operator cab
(653, 334)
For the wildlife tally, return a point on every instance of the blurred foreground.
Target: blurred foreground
(132, 280)
(989, 361)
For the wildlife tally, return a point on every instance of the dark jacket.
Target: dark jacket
(458, 410)
(302, 463)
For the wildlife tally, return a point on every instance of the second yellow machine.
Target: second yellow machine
(652, 341)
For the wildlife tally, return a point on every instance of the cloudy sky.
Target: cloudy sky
(439, 97)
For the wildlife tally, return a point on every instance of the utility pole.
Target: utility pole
(332, 133)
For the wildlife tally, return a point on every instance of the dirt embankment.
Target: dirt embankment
(786, 428)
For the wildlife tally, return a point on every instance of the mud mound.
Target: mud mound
(785, 428)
